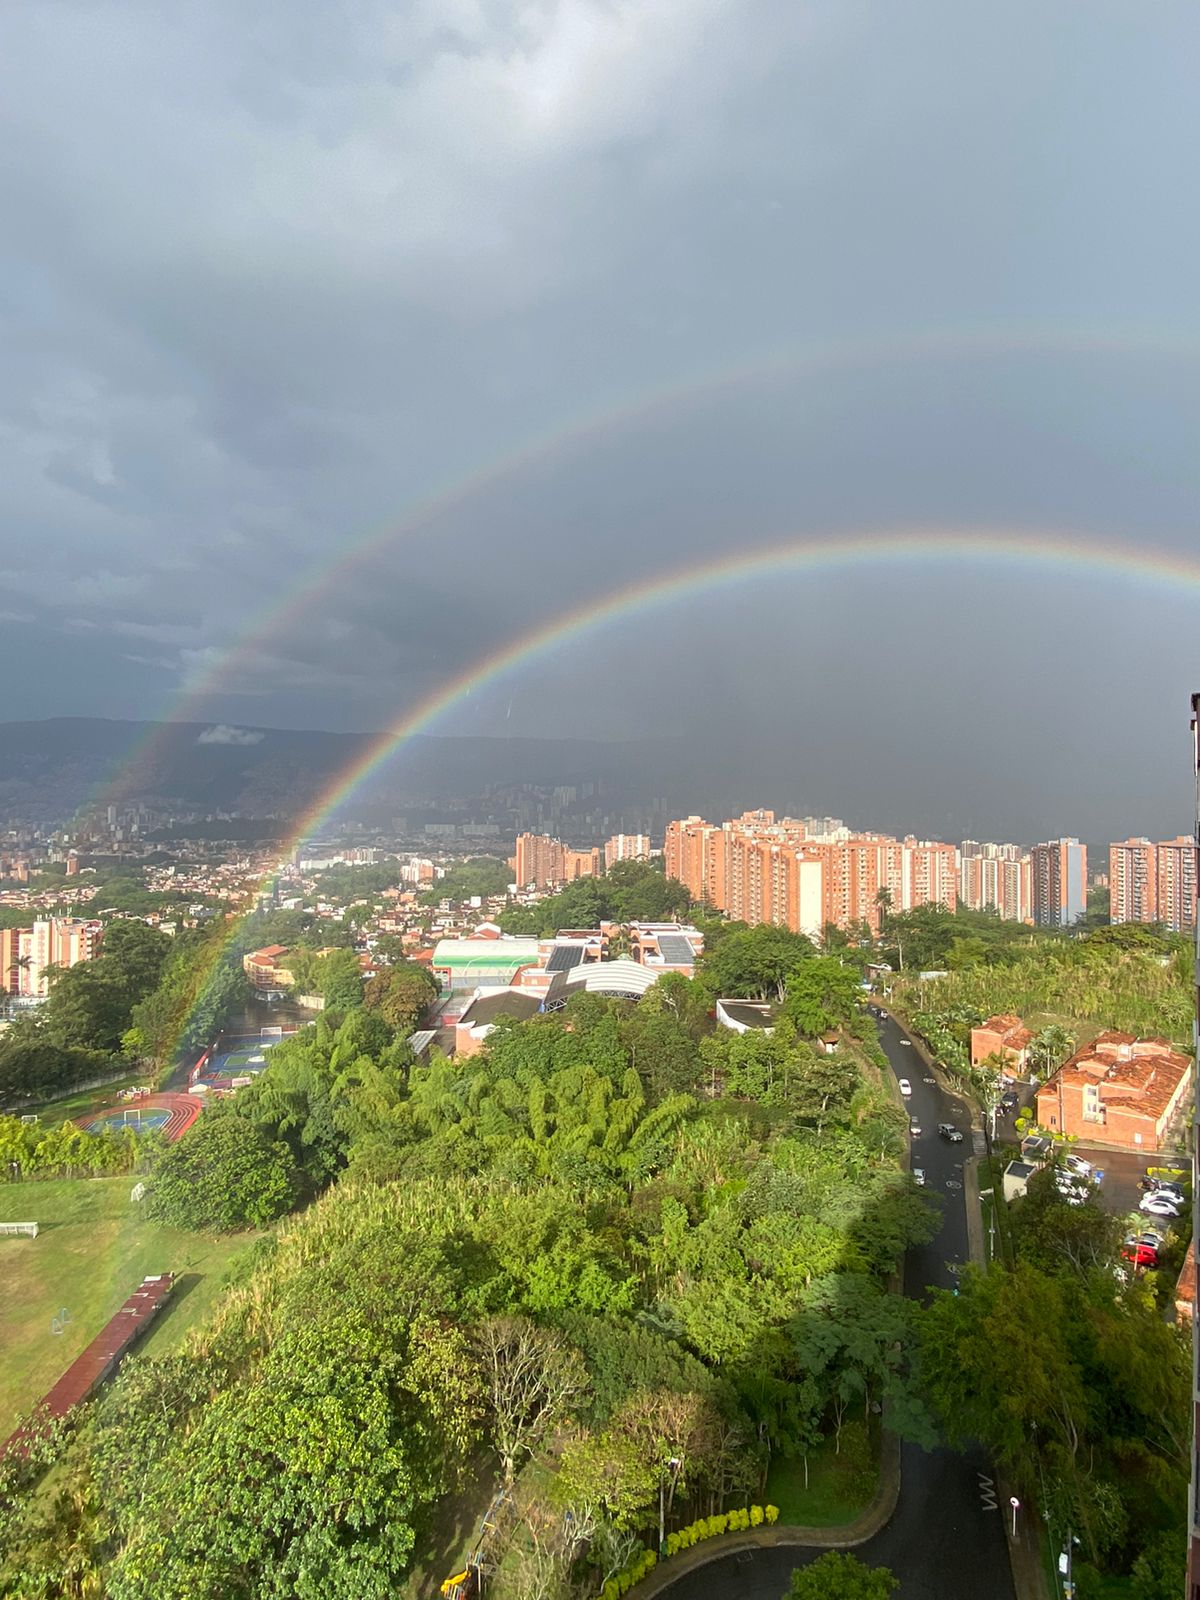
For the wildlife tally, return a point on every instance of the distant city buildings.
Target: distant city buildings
(996, 877)
(1150, 882)
(626, 847)
(548, 862)
(1059, 882)
(757, 868)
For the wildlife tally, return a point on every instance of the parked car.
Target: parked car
(1161, 1205)
(914, 1127)
(949, 1132)
(1010, 1101)
(1163, 1186)
(907, 1043)
(919, 1177)
(905, 1087)
(1078, 1165)
(1073, 1190)
(1140, 1252)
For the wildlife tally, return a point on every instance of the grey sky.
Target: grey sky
(269, 276)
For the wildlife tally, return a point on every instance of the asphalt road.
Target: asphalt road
(945, 1538)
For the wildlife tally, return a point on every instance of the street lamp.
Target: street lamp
(1016, 1506)
(674, 1463)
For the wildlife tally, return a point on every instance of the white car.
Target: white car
(905, 1087)
(914, 1127)
(907, 1043)
(1160, 1205)
(919, 1177)
(1077, 1165)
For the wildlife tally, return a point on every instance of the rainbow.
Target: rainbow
(979, 546)
(286, 611)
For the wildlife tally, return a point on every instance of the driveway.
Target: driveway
(945, 1536)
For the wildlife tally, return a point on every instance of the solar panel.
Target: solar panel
(675, 950)
(563, 957)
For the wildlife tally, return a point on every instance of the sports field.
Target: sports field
(234, 1058)
(94, 1247)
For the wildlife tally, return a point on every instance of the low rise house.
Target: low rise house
(484, 1011)
(1006, 1037)
(669, 946)
(1119, 1090)
(266, 969)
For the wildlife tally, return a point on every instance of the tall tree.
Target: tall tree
(534, 1377)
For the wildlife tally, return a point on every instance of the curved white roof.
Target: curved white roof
(612, 977)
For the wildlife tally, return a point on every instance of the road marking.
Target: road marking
(987, 1492)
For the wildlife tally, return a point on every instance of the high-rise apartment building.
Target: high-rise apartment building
(1175, 870)
(626, 847)
(545, 862)
(694, 852)
(1150, 882)
(1059, 882)
(27, 953)
(758, 868)
(995, 877)
(1133, 881)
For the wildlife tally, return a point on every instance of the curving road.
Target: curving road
(945, 1538)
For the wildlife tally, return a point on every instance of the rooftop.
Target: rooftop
(1141, 1074)
(486, 1009)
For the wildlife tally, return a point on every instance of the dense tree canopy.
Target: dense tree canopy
(223, 1175)
(611, 1239)
(841, 1576)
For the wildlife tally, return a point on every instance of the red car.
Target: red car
(1141, 1252)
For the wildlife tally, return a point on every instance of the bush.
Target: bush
(222, 1175)
(772, 1514)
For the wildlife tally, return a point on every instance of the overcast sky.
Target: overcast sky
(707, 274)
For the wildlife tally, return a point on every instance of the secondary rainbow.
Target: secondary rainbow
(1021, 548)
(189, 702)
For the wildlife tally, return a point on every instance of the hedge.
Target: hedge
(695, 1533)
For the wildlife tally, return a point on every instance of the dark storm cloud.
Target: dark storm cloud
(269, 276)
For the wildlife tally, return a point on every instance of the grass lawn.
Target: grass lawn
(78, 1105)
(94, 1249)
(838, 1488)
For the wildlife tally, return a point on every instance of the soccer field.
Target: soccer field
(93, 1248)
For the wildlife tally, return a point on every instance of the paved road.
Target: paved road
(942, 1542)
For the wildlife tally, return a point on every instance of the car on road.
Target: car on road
(1078, 1165)
(914, 1127)
(949, 1132)
(1010, 1101)
(1160, 1205)
(905, 1087)
(919, 1177)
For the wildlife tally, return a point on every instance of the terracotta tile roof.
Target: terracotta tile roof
(1141, 1074)
(1014, 1035)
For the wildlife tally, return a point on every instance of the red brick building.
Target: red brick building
(1005, 1036)
(1118, 1090)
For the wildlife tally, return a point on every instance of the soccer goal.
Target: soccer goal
(270, 1033)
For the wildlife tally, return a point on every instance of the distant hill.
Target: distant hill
(50, 769)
